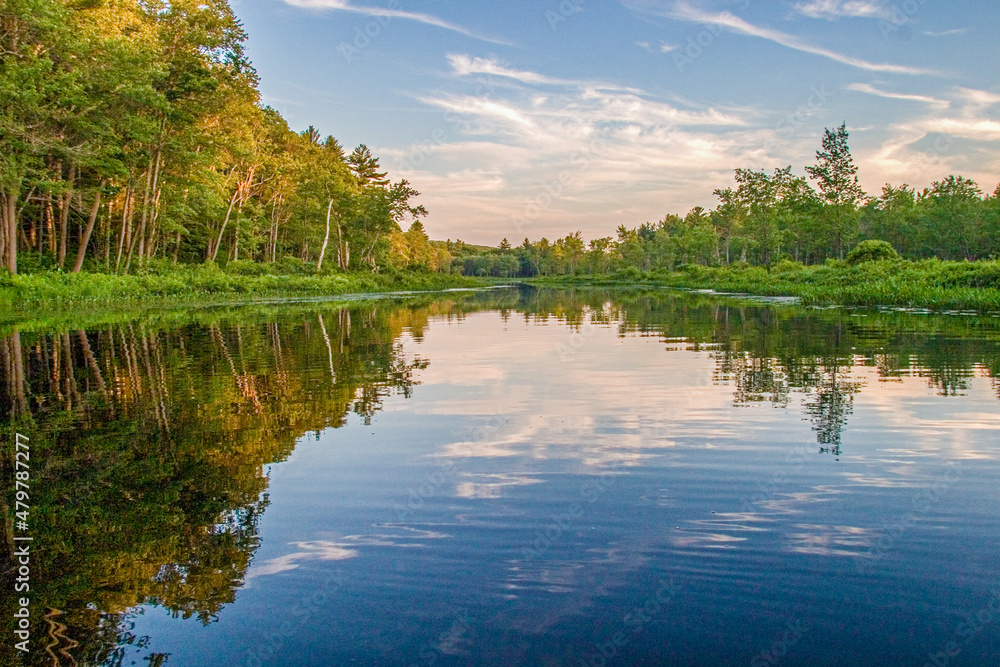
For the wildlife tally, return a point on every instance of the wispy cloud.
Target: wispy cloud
(685, 12)
(463, 65)
(925, 146)
(388, 12)
(831, 10)
(663, 48)
(591, 142)
(872, 90)
(945, 33)
(979, 100)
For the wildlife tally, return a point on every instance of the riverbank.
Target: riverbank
(930, 284)
(207, 283)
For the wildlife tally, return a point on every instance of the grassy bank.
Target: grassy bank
(929, 284)
(239, 281)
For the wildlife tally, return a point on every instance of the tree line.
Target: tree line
(132, 131)
(771, 216)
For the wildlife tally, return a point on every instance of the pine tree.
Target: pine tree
(836, 175)
(835, 172)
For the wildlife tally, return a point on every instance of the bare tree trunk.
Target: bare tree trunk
(326, 239)
(141, 236)
(213, 250)
(64, 206)
(126, 231)
(81, 252)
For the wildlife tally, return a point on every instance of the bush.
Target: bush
(154, 267)
(872, 251)
(787, 266)
(630, 273)
(246, 267)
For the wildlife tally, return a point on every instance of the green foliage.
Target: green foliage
(629, 274)
(872, 251)
(787, 266)
(207, 281)
(926, 283)
(138, 127)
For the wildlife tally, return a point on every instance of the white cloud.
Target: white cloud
(979, 100)
(463, 65)
(925, 147)
(685, 12)
(872, 90)
(389, 13)
(594, 146)
(831, 10)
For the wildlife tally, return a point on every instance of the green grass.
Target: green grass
(206, 283)
(931, 284)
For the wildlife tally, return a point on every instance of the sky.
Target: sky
(532, 118)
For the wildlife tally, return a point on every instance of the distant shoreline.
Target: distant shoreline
(929, 284)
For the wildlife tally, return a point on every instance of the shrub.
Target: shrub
(417, 268)
(288, 265)
(630, 273)
(872, 251)
(153, 267)
(787, 266)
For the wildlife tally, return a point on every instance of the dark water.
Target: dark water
(511, 478)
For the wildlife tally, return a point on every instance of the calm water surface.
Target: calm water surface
(513, 478)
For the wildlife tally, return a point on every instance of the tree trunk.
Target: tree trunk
(326, 238)
(9, 216)
(64, 206)
(141, 235)
(81, 252)
(236, 237)
(50, 228)
(213, 250)
(126, 227)
(3, 230)
(177, 246)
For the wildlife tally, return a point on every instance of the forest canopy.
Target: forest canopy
(133, 131)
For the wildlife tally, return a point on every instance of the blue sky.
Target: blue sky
(540, 118)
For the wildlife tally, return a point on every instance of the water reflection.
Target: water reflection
(152, 446)
(153, 440)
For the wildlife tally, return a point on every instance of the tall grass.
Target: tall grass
(238, 281)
